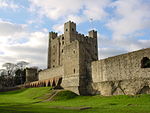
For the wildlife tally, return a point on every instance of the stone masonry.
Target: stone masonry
(122, 74)
(31, 74)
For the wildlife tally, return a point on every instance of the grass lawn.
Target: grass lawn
(29, 101)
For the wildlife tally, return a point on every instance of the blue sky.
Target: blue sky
(122, 25)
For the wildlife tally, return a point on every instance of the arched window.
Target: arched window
(145, 62)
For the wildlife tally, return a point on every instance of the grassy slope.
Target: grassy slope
(26, 101)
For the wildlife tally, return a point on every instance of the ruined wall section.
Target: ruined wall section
(121, 74)
(53, 72)
(31, 74)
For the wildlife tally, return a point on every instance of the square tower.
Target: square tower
(69, 32)
(74, 52)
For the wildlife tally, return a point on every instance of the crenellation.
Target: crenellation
(52, 35)
(93, 34)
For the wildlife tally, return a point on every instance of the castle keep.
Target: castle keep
(73, 57)
(70, 56)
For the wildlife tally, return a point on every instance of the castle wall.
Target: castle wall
(49, 73)
(122, 69)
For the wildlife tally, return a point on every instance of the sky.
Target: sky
(123, 26)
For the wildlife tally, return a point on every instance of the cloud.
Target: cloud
(129, 17)
(75, 10)
(58, 28)
(30, 47)
(8, 4)
(109, 52)
(70, 8)
(129, 20)
(7, 28)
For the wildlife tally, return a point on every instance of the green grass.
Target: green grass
(29, 101)
(64, 95)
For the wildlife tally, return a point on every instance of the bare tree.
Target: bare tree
(6, 79)
(10, 71)
(20, 73)
(22, 64)
(2, 72)
(10, 68)
(13, 73)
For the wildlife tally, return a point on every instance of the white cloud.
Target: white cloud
(75, 10)
(130, 17)
(109, 52)
(128, 21)
(7, 28)
(19, 44)
(76, 18)
(96, 9)
(58, 28)
(8, 4)
(66, 8)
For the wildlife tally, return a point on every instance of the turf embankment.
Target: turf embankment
(45, 100)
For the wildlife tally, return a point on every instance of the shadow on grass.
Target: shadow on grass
(13, 92)
(24, 108)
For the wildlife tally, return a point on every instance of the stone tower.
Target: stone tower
(57, 44)
(69, 32)
(51, 48)
(74, 52)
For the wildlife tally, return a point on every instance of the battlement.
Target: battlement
(93, 34)
(70, 27)
(52, 35)
(70, 22)
(86, 39)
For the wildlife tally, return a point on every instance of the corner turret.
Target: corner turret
(52, 35)
(70, 27)
(69, 32)
(93, 34)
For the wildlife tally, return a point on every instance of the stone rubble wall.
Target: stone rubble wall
(53, 72)
(122, 67)
(31, 74)
(121, 87)
(121, 75)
